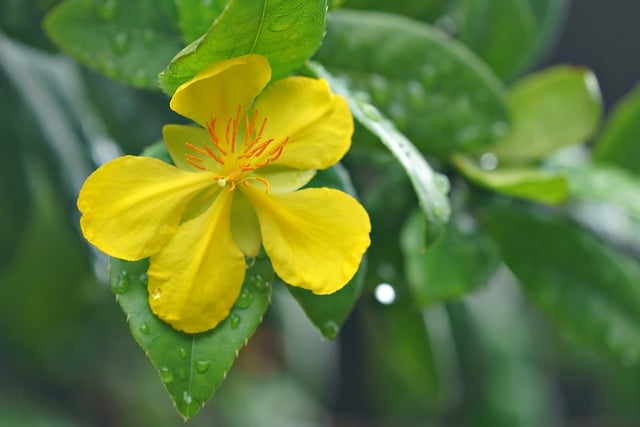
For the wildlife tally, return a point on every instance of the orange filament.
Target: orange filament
(256, 152)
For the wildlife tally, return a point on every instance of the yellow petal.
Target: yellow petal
(195, 279)
(219, 89)
(283, 179)
(132, 205)
(176, 136)
(314, 237)
(318, 123)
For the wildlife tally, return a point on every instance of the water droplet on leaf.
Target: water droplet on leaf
(143, 278)
(369, 111)
(107, 10)
(258, 283)
(121, 42)
(442, 182)
(166, 375)
(234, 320)
(283, 22)
(187, 398)
(488, 161)
(245, 299)
(121, 284)
(330, 329)
(144, 329)
(202, 366)
(182, 352)
(249, 261)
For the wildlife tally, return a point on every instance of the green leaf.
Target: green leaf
(619, 142)
(191, 366)
(402, 376)
(549, 16)
(590, 290)
(130, 41)
(550, 109)
(287, 32)
(502, 33)
(425, 10)
(196, 16)
(328, 312)
(431, 188)
(606, 184)
(461, 261)
(538, 185)
(436, 91)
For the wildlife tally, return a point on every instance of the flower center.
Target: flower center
(235, 162)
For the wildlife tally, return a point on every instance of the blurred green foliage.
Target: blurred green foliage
(501, 287)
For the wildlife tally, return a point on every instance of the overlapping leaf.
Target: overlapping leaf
(131, 41)
(431, 188)
(287, 32)
(435, 90)
(191, 366)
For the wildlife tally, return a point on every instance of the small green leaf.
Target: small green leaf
(328, 312)
(191, 366)
(619, 142)
(431, 188)
(196, 16)
(462, 260)
(590, 290)
(551, 109)
(436, 91)
(287, 32)
(502, 33)
(130, 41)
(538, 185)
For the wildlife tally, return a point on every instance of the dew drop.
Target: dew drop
(166, 375)
(234, 320)
(143, 278)
(121, 42)
(182, 352)
(121, 284)
(442, 182)
(249, 261)
(488, 161)
(139, 77)
(144, 329)
(283, 22)
(330, 329)
(385, 294)
(369, 111)
(182, 374)
(202, 366)
(107, 10)
(258, 283)
(156, 293)
(245, 299)
(187, 398)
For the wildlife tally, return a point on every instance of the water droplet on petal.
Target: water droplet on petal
(283, 22)
(121, 284)
(249, 261)
(107, 10)
(121, 42)
(144, 329)
(156, 293)
(330, 329)
(166, 375)
(234, 320)
(258, 283)
(245, 299)
(202, 366)
(182, 352)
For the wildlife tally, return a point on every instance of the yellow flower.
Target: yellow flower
(233, 191)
